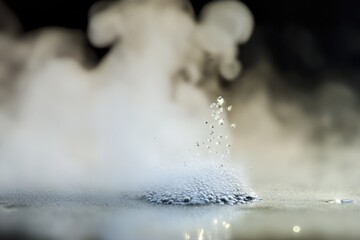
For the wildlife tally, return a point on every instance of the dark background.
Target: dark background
(304, 39)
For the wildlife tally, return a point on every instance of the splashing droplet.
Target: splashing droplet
(220, 100)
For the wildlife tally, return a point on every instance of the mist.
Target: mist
(69, 122)
(67, 125)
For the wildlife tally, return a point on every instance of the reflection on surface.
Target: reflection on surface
(286, 214)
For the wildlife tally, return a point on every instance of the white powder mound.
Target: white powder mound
(214, 183)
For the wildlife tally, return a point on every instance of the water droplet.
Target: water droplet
(207, 146)
(212, 126)
(212, 132)
(206, 122)
(220, 100)
(218, 142)
(221, 121)
(229, 108)
(233, 125)
(209, 140)
(197, 144)
(220, 136)
(228, 145)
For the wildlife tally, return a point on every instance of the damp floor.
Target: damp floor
(282, 213)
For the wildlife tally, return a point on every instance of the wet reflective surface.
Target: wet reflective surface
(281, 214)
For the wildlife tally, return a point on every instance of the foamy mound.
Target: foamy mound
(209, 179)
(211, 184)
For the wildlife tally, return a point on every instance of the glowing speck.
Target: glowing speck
(215, 221)
(229, 108)
(187, 236)
(220, 100)
(227, 225)
(201, 234)
(296, 229)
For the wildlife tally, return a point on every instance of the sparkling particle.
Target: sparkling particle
(296, 229)
(220, 100)
(229, 108)
(187, 236)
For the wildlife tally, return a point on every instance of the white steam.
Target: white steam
(110, 127)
